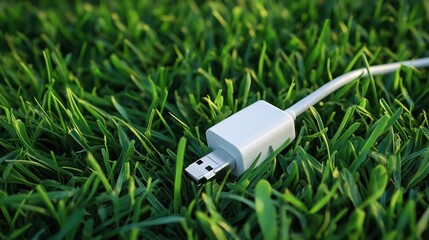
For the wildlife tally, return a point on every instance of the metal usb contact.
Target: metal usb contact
(208, 166)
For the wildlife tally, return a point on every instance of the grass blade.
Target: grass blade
(178, 177)
(378, 129)
(265, 210)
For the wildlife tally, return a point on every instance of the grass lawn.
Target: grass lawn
(103, 104)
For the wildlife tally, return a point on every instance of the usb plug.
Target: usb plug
(250, 134)
(208, 166)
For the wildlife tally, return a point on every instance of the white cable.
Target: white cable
(255, 131)
(315, 97)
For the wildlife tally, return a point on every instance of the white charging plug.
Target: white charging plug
(250, 134)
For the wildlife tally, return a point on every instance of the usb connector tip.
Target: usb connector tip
(208, 166)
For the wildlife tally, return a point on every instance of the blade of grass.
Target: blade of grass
(265, 210)
(178, 177)
(378, 129)
(97, 170)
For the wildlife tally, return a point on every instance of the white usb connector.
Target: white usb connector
(211, 164)
(245, 136)
(257, 130)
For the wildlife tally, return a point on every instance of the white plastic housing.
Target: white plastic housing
(256, 129)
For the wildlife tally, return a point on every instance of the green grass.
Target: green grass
(103, 104)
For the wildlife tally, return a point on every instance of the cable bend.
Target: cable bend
(310, 100)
